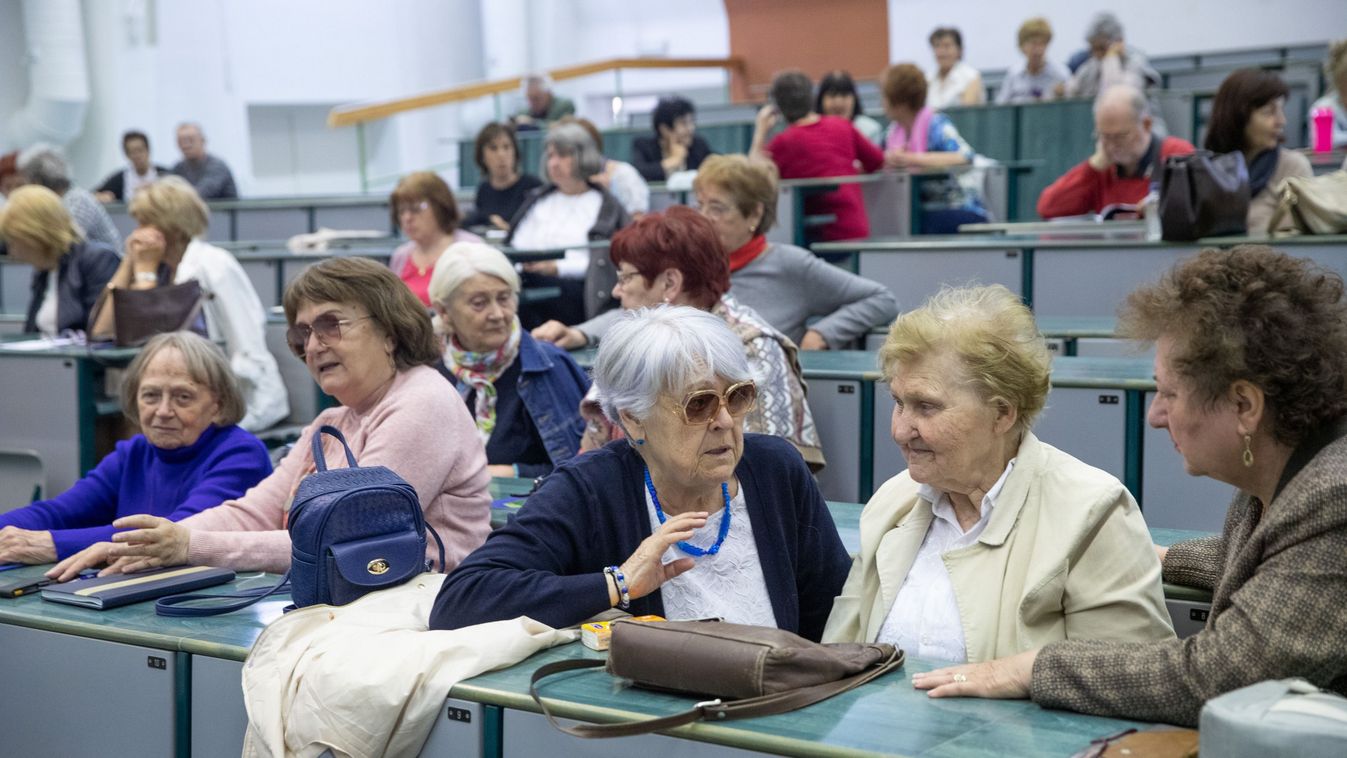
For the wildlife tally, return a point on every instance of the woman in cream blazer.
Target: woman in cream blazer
(1057, 549)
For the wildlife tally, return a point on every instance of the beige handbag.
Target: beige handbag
(1316, 205)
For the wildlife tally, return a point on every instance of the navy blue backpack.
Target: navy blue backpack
(353, 530)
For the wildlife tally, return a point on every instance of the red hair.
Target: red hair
(679, 238)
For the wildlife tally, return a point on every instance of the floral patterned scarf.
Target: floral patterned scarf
(480, 371)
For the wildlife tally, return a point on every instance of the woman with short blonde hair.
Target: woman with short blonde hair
(993, 542)
(38, 230)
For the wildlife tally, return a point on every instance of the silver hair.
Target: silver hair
(45, 164)
(1105, 25)
(207, 365)
(572, 139)
(542, 80)
(663, 351)
(191, 125)
(462, 261)
(1135, 98)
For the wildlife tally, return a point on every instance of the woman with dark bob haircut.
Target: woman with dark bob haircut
(1248, 116)
(368, 342)
(1250, 367)
(504, 187)
(837, 96)
(674, 146)
(423, 206)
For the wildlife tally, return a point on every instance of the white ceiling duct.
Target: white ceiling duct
(58, 76)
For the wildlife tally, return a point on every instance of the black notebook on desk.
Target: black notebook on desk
(122, 589)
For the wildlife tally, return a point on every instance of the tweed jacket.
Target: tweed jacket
(1065, 555)
(1279, 578)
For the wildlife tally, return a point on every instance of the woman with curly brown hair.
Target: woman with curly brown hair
(1250, 367)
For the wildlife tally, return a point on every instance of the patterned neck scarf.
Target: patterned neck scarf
(480, 371)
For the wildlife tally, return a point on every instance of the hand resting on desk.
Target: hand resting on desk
(91, 556)
(1006, 678)
(152, 542)
(26, 546)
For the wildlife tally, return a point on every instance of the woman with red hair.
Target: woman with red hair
(675, 257)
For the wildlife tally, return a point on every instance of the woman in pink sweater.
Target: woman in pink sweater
(368, 342)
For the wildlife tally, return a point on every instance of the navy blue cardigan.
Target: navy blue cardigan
(547, 563)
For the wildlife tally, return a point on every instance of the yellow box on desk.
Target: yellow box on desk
(596, 635)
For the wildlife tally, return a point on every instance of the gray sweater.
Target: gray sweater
(787, 286)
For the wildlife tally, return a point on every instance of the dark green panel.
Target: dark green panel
(1060, 135)
(989, 129)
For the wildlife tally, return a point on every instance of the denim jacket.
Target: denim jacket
(551, 385)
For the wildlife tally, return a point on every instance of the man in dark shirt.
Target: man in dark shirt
(210, 175)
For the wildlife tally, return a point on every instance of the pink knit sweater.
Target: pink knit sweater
(420, 429)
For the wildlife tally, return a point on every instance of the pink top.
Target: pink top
(420, 429)
(417, 282)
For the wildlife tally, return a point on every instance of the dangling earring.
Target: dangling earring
(1248, 452)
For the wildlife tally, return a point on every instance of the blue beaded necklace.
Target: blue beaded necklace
(724, 520)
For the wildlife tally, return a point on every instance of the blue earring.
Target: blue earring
(640, 442)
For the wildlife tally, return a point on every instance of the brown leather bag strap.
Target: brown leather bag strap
(710, 710)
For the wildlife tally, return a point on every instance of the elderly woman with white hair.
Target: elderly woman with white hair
(687, 517)
(522, 393)
(44, 165)
(991, 542)
(571, 210)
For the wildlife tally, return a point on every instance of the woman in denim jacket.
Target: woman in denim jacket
(524, 394)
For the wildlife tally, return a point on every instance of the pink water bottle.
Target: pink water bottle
(1323, 129)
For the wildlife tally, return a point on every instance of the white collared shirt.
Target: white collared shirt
(924, 619)
(131, 181)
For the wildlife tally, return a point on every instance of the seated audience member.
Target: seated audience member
(10, 176)
(423, 207)
(167, 248)
(1250, 361)
(919, 137)
(120, 186)
(837, 96)
(1112, 61)
(569, 210)
(817, 146)
(69, 272)
(620, 178)
(1126, 160)
(674, 146)
(956, 551)
(1335, 72)
(207, 173)
(952, 81)
(190, 455)
(1035, 78)
(504, 187)
(676, 257)
(1248, 116)
(368, 342)
(688, 517)
(44, 165)
(786, 285)
(543, 105)
(523, 394)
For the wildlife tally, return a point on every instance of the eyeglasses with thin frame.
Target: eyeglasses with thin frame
(327, 326)
(413, 207)
(701, 406)
(624, 277)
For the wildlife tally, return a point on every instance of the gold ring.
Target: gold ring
(960, 678)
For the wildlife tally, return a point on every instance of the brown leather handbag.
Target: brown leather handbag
(140, 314)
(1204, 195)
(768, 670)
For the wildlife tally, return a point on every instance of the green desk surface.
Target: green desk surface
(1050, 241)
(289, 201)
(116, 356)
(884, 717)
(1127, 228)
(1077, 327)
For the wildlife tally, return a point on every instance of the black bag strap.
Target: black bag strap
(174, 605)
(319, 461)
(710, 710)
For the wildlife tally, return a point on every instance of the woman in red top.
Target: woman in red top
(423, 206)
(817, 146)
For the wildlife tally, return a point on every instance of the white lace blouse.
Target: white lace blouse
(728, 585)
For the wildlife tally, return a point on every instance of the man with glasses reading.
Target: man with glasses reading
(1125, 160)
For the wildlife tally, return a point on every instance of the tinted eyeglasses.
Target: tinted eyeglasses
(701, 406)
(327, 327)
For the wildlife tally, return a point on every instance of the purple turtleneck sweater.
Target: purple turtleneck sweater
(138, 477)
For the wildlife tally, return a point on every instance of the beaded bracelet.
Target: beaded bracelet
(620, 580)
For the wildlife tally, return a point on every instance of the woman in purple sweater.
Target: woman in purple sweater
(190, 455)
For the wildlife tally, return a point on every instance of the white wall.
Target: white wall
(260, 75)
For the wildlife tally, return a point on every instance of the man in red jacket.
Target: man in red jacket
(1126, 157)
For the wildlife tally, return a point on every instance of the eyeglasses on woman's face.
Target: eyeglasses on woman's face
(327, 327)
(413, 208)
(701, 406)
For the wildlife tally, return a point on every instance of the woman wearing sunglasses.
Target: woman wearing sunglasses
(367, 341)
(687, 517)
